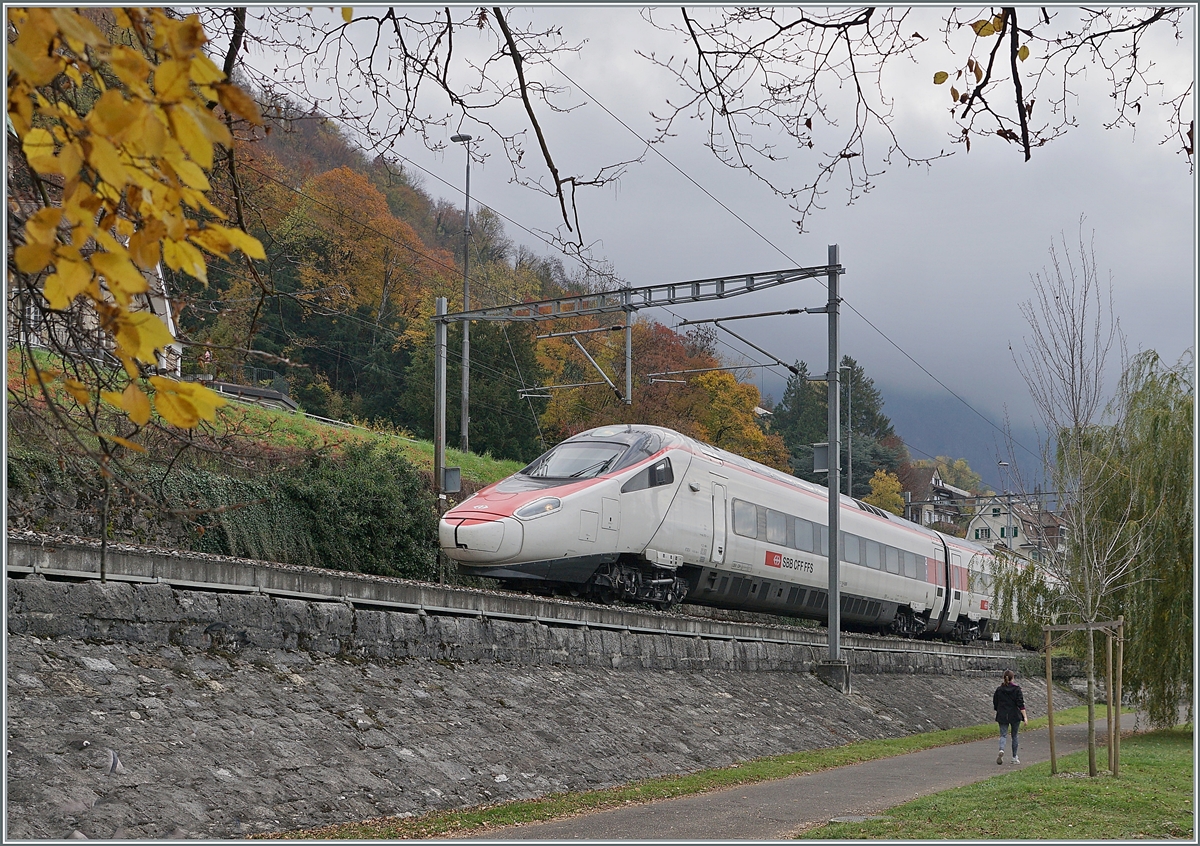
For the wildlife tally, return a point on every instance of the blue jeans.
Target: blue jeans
(1005, 728)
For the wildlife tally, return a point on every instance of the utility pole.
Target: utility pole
(834, 671)
(439, 401)
(463, 138)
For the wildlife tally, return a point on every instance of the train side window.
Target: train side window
(871, 553)
(776, 527)
(850, 548)
(745, 518)
(804, 534)
(659, 473)
(824, 540)
(892, 559)
(910, 564)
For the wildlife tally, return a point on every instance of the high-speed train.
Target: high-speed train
(646, 514)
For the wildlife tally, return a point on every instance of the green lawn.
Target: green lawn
(476, 821)
(1152, 799)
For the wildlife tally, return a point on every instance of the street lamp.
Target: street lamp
(463, 138)
(849, 430)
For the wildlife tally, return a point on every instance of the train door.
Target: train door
(941, 594)
(719, 522)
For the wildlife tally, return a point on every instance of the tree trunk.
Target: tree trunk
(1091, 702)
(104, 512)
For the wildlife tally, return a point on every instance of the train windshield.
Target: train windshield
(575, 460)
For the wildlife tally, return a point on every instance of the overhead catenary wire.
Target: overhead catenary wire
(783, 253)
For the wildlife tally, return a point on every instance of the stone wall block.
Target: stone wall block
(158, 603)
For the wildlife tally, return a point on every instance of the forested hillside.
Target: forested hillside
(356, 253)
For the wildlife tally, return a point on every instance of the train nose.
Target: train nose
(478, 539)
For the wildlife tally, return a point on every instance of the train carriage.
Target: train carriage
(646, 514)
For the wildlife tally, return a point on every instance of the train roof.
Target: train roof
(629, 432)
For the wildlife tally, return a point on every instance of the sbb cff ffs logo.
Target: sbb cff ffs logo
(774, 559)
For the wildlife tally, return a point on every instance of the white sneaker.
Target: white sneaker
(1016, 760)
(1000, 757)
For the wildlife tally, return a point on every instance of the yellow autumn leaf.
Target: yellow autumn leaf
(70, 158)
(39, 150)
(69, 280)
(212, 238)
(35, 377)
(171, 80)
(136, 404)
(190, 135)
(347, 13)
(107, 113)
(1023, 53)
(188, 171)
(176, 410)
(104, 158)
(141, 334)
(940, 77)
(246, 242)
(953, 93)
(78, 390)
(180, 255)
(205, 401)
(144, 245)
(124, 280)
(215, 131)
(42, 225)
(184, 404)
(204, 70)
(151, 139)
(983, 28)
(978, 73)
(29, 60)
(130, 66)
(238, 102)
(125, 442)
(74, 25)
(33, 258)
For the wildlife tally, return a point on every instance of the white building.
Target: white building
(1003, 522)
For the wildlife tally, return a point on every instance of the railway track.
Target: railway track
(78, 559)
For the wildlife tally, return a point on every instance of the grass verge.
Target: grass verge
(1152, 799)
(557, 806)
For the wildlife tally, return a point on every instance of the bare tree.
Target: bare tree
(1095, 544)
(803, 75)
(771, 84)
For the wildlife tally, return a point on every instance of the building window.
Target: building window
(995, 512)
(985, 533)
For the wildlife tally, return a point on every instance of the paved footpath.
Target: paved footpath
(780, 809)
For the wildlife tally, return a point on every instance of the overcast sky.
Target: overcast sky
(937, 259)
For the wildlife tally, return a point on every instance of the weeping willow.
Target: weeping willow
(1156, 435)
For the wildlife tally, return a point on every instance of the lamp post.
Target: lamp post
(463, 138)
(849, 429)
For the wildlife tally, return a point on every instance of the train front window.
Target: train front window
(575, 460)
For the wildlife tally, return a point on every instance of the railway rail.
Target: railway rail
(78, 559)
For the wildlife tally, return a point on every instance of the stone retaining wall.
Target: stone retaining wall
(149, 712)
(160, 613)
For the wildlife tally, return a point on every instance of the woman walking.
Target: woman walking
(1009, 703)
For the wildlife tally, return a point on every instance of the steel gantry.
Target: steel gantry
(625, 300)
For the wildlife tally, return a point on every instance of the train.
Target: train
(645, 514)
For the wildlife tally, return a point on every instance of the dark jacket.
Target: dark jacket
(1009, 702)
